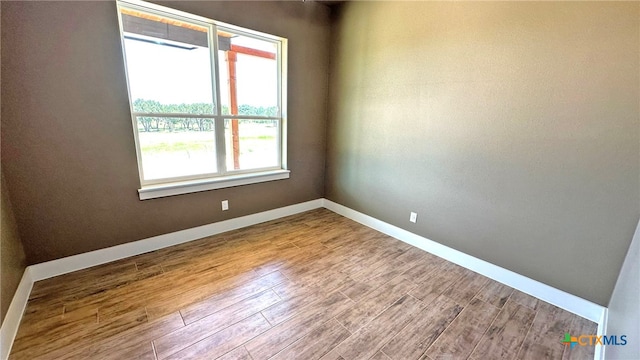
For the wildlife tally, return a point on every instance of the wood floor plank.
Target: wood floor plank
(96, 281)
(332, 355)
(332, 281)
(355, 235)
(369, 261)
(225, 340)
(356, 290)
(465, 288)
(399, 246)
(371, 338)
(64, 285)
(332, 233)
(504, 337)
(580, 326)
(363, 245)
(227, 255)
(42, 309)
(63, 322)
(294, 298)
(288, 236)
(289, 289)
(423, 269)
(131, 344)
(462, 335)
(109, 313)
(380, 356)
(179, 257)
(172, 297)
(425, 327)
(116, 280)
(261, 255)
(415, 255)
(230, 296)
(134, 350)
(286, 333)
(379, 274)
(315, 269)
(428, 290)
(375, 303)
(193, 285)
(544, 338)
(45, 342)
(161, 286)
(524, 299)
(285, 260)
(315, 344)
(495, 293)
(153, 263)
(239, 353)
(207, 326)
(356, 243)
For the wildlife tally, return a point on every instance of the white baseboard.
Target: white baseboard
(12, 319)
(86, 260)
(574, 304)
(559, 298)
(599, 353)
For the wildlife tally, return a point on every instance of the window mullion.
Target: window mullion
(218, 122)
(282, 101)
(220, 145)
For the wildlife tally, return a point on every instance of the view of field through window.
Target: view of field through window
(169, 77)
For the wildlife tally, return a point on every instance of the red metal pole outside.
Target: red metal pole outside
(233, 94)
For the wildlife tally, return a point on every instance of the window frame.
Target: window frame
(224, 177)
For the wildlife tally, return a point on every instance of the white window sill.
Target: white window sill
(186, 187)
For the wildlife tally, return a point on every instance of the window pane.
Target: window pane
(255, 146)
(248, 75)
(168, 63)
(175, 147)
(171, 73)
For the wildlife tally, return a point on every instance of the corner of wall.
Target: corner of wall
(13, 316)
(623, 314)
(12, 256)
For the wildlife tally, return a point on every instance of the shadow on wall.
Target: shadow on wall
(12, 259)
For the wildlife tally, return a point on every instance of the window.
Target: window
(207, 101)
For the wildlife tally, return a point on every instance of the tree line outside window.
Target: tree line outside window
(149, 124)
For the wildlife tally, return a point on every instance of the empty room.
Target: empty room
(320, 180)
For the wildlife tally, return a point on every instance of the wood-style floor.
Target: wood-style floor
(314, 285)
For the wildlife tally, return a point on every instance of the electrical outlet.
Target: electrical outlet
(225, 205)
(413, 217)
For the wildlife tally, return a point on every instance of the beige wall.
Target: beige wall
(512, 129)
(12, 259)
(67, 141)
